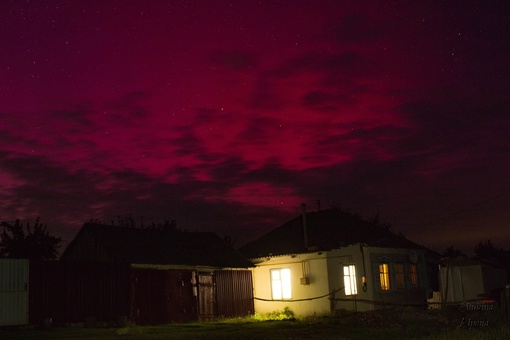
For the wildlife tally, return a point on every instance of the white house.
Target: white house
(328, 260)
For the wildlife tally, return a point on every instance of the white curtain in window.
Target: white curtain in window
(350, 285)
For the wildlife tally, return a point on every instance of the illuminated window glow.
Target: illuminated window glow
(350, 285)
(413, 275)
(280, 284)
(384, 276)
(399, 272)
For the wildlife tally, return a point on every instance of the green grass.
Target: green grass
(402, 323)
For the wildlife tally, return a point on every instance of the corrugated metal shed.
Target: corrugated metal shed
(13, 292)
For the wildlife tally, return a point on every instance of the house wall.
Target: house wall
(325, 291)
(366, 261)
(337, 259)
(395, 296)
(306, 298)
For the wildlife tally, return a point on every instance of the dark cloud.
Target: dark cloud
(130, 106)
(48, 190)
(206, 115)
(346, 63)
(69, 199)
(323, 100)
(276, 175)
(266, 96)
(79, 116)
(456, 130)
(188, 145)
(337, 71)
(229, 171)
(359, 28)
(259, 130)
(235, 60)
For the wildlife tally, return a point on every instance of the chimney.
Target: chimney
(318, 205)
(305, 227)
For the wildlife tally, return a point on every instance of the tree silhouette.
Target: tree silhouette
(34, 243)
(487, 251)
(452, 252)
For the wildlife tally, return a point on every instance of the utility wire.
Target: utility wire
(459, 212)
(297, 300)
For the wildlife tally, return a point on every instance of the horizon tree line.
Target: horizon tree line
(19, 240)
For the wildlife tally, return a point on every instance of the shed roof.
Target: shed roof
(97, 242)
(326, 229)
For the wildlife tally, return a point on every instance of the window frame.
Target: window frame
(350, 280)
(384, 276)
(400, 277)
(281, 286)
(413, 276)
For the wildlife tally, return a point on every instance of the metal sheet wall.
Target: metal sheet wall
(234, 293)
(71, 292)
(13, 292)
(163, 296)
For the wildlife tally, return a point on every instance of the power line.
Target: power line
(461, 211)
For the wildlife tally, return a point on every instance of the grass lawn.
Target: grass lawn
(399, 323)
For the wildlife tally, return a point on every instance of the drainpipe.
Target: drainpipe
(305, 227)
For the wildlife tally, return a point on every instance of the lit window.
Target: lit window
(350, 280)
(384, 276)
(280, 284)
(413, 275)
(399, 272)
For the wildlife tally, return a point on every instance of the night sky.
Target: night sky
(227, 115)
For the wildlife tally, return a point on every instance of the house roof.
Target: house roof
(326, 230)
(152, 246)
